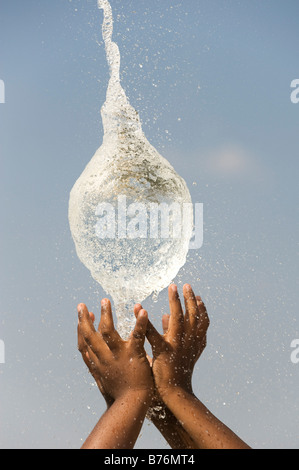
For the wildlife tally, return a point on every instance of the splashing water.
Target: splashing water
(116, 206)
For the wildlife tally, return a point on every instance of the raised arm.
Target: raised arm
(174, 356)
(121, 369)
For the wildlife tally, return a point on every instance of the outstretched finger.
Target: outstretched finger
(138, 336)
(92, 317)
(152, 334)
(88, 356)
(106, 326)
(165, 323)
(176, 321)
(192, 311)
(204, 321)
(82, 346)
(87, 329)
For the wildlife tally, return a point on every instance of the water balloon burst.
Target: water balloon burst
(128, 264)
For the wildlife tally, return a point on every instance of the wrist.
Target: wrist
(169, 393)
(141, 396)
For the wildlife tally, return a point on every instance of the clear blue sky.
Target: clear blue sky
(211, 81)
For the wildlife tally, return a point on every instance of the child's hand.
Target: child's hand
(83, 348)
(176, 352)
(119, 367)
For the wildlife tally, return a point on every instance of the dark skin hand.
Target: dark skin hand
(197, 326)
(169, 426)
(176, 352)
(122, 373)
(174, 356)
(83, 348)
(165, 380)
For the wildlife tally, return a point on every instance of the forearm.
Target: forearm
(120, 425)
(170, 428)
(203, 427)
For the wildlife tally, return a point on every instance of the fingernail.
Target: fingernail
(80, 312)
(142, 313)
(174, 288)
